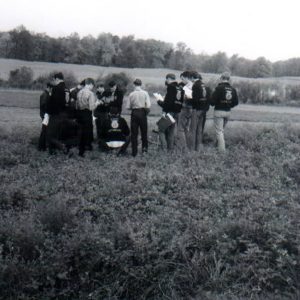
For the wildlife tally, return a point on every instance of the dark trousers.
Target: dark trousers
(85, 121)
(43, 139)
(53, 133)
(105, 148)
(203, 124)
(139, 121)
(167, 137)
(101, 117)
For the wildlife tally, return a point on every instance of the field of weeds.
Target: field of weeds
(159, 226)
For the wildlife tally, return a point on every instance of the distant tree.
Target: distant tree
(71, 44)
(21, 43)
(111, 50)
(216, 63)
(178, 57)
(153, 52)
(105, 49)
(87, 50)
(129, 55)
(5, 44)
(261, 67)
(290, 67)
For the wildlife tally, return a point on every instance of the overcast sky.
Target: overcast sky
(250, 28)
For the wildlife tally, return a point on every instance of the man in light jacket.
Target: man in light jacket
(139, 104)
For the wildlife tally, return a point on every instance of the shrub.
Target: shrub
(21, 77)
(41, 81)
(122, 79)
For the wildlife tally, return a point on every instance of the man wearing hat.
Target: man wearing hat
(139, 104)
(224, 98)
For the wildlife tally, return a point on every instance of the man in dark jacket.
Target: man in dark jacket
(171, 105)
(224, 98)
(114, 96)
(200, 104)
(56, 109)
(44, 98)
(115, 133)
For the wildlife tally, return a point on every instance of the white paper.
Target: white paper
(158, 96)
(46, 120)
(187, 92)
(171, 118)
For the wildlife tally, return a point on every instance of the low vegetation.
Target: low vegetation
(161, 226)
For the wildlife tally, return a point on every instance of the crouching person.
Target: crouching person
(115, 133)
(223, 99)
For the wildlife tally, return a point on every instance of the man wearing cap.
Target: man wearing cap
(56, 110)
(200, 104)
(223, 99)
(139, 104)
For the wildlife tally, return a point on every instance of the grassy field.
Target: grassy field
(148, 76)
(160, 226)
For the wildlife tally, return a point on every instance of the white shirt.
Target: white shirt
(138, 99)
(86, 99)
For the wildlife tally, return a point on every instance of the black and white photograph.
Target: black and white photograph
(149, 150)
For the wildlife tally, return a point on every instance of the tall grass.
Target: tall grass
(161, 226)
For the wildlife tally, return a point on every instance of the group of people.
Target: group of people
(187, 103)
(67, 115)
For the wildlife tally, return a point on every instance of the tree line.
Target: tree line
(111, 50)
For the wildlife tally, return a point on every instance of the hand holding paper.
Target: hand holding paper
(187, 92)
(46, 120)
(158, 97)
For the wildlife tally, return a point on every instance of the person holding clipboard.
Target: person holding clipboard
(171, 105)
